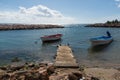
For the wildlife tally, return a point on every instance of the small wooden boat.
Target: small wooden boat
(101, 40)
(51, 37)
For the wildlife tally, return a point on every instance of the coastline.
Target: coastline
(27, 26)
(108, 24)
(47, 71)
(104, 25)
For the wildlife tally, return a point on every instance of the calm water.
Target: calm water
(26, 44)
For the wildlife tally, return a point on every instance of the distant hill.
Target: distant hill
(113, 24)
(27, 26)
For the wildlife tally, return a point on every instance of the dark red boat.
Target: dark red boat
(51, 37)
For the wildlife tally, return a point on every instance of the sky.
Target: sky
(58, 11)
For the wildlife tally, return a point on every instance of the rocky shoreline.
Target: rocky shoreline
(108, 24)
(27, 26)
(47, 71)
(104, 25)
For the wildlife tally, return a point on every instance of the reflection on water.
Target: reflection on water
(56, 42)
(98, 48)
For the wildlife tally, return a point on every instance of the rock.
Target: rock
(102, 73)
(41, 69)
(17, 77)
(2, 72)
(42, 64)
(16, 59)
(4, 77)
(117, 76)
(81, 68)
(94, 78)
(50, 69)
(118, 69)
(16, 66)
(50, 64)
(88, 77)
(20, 72)
(31, 65)
(66, 76)
(44, 75)
(78, 75)
(32, 76)
(72, 77)
(21, 77)
(3, 67)
(59, 77)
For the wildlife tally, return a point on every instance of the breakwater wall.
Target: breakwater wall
(27, 26)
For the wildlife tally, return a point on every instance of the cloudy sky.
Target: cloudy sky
(58, 11)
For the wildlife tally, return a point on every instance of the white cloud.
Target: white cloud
(118, 3)
(117, 0)
(35, 15)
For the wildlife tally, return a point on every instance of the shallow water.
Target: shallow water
(26, 44)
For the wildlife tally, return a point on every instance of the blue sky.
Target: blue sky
(58, 11)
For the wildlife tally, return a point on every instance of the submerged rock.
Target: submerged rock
(16, 59)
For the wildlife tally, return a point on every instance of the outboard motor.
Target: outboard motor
(108, 34)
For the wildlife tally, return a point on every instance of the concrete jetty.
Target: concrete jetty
(65, 58)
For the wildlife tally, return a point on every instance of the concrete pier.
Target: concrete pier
(65, 58)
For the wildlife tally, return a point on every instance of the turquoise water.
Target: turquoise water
(26, 44)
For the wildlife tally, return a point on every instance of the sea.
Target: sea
(28, 47)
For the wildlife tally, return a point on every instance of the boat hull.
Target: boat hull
(100, 41)
(51, 38)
